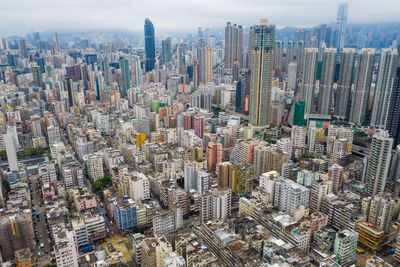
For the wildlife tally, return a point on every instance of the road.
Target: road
(40, 224)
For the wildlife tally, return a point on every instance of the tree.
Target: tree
(3, 154)
(32, 152)
(97, 186)
(106, 181)
(269, 140)
(306, 156)
(359, 142)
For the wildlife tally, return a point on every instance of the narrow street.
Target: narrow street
(40, 225)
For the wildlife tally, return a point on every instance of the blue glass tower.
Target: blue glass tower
(125, 76)
(150, 45)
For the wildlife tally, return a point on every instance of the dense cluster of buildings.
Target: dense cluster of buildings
(203, 151)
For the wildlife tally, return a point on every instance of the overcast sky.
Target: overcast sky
(19, 17)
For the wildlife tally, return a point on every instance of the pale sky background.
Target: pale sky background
(19, 17)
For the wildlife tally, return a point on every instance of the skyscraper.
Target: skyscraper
(378, 163)
(204, 55)
(278, 55)
(85, 76)
(23, 51)
(3, 43)
(346, 70)
(362, 85)
(125, 76)
(309, 75)
(180, 60)
(150, 45)
(106, 69)
(239, 94)
(292, 76)
(57, 41)
(166, 50)
(326, 84)
(393, 114)
(235, 71)
(209, 63)
(290, 51)
(37, 76)
(233, 44)
(11, 150)
(341, 23)
(300, 46)
(262, 56)
(70, 91)
(388, 62)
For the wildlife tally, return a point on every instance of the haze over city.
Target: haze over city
(20, 17)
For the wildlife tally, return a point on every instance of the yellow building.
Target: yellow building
(155, 250)
(23, 258)
(242, 179)
(274, 160)
(319, 135)
(140, 138)
(370, 235)
(141, 216)
(197, 153)
(209, 64)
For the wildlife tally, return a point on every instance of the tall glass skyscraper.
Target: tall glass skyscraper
(262, 59)
(327, 75)
(345, 79)
(388, 62)
(393, 114)
(166, 50)
(310, 62)
(150, 45)
(125, 76)
(362, 85)
(341, 23)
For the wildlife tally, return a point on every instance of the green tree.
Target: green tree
(97, 186)
(306, 156)
(3, 154)
(106, 180)
(359, 142)
(269, 140)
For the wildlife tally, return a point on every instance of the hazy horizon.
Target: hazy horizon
(25, 16)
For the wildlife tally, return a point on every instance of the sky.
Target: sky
(23, 16)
